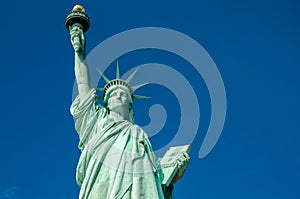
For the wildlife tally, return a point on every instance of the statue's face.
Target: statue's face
(118, 100)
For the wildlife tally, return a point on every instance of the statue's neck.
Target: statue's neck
(121, 115)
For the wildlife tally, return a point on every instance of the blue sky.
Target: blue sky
(255, 45)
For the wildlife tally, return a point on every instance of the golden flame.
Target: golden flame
(78, 8)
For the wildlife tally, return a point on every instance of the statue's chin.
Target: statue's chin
(118, 109)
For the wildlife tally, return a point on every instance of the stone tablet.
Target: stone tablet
(169, 162)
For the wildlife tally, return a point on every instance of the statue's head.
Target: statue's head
(118, 94)
(118, 97)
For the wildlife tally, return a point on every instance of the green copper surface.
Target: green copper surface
(117, 159)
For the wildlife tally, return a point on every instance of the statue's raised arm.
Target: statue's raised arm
(77, 22)
(81, 66)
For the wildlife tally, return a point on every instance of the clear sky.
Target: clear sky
(255, 45)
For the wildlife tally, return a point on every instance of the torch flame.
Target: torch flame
(78, 8)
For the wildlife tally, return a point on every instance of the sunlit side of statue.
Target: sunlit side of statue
(117, 160)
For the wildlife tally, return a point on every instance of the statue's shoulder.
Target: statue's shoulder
(138, 131)
(103, 112)
(136, 127)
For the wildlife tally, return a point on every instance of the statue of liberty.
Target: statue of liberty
(117, 159)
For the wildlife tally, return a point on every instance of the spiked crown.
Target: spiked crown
(110, 84)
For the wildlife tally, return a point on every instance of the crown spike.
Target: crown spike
(131, 76)
(140, 97)
(118, 71)
(134, 88)
(103, 76)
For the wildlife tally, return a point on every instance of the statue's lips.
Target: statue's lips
(118, 101)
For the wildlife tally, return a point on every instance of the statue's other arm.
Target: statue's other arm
(81, 66)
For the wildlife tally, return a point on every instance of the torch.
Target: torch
(77, 17)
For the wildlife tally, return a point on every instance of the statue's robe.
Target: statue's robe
(117, 160)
